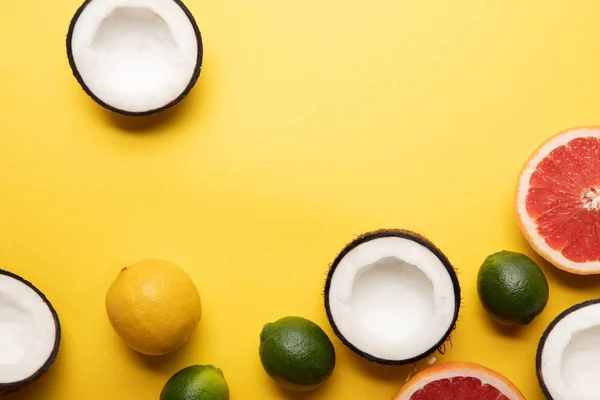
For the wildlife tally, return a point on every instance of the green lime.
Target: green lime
(198, 382)
(296, 353)
(512, 288)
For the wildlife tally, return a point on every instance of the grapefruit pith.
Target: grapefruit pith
(458, 381)
(558, 200)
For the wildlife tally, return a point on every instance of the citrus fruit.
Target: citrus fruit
(296, 353)
(459, 381)
(512, 288)
(558, 200)
(198, 382)
(153, 306)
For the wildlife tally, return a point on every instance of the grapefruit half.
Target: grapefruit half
(458, 381)
(558, 200)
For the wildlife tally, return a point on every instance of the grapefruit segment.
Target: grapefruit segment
(488, 392)
(542, 200)
(558, 200)
(438, 390)
(465, 388)
(458, 381)
(420, 395)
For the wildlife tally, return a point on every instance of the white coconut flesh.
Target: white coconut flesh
(135, 55)
(392, 298)
(570, 356)
(27, 331)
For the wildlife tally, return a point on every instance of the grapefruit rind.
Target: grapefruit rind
(451, 370)
(528, 225)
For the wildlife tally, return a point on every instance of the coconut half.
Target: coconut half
(392, 297)
(568, 354)
(29, 333)
(135, 57)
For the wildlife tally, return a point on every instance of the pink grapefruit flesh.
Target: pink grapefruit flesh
(558, 200)
(459, 381)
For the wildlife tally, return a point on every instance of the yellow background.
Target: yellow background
(313, 121)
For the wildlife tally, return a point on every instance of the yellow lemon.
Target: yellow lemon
(153, 306)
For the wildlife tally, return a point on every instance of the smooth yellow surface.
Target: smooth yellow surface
(313, 121)
(154, 306)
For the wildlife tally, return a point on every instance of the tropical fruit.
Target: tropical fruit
(153, 306)
(197, 382)
(392, 297)
(558, 200)
(512, 288)
(30, 333)
(567, 356)
(296, 353)
(135, 58)
(459, 381)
